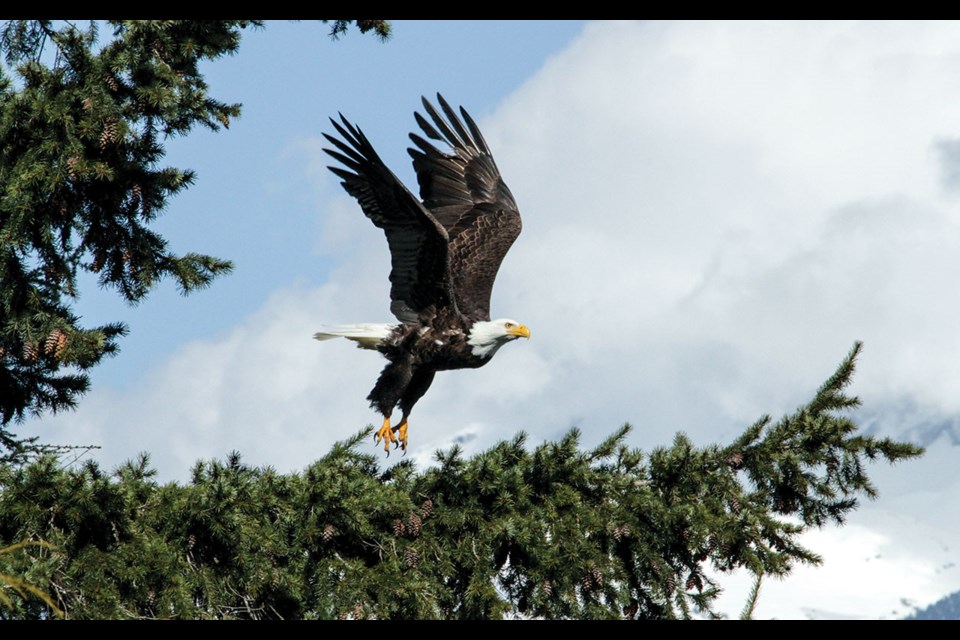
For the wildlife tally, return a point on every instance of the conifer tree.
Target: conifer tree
(83, 121)
(550, 531)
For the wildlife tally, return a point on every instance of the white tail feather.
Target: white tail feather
(367, 336)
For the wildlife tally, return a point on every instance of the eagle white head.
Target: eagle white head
(486, 336)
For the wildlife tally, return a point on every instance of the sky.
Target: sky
(713, 214)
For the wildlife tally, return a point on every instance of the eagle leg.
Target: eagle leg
(401, 430)
(386, 434)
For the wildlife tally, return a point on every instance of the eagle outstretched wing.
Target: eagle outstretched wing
(420, 274)
(465, 194)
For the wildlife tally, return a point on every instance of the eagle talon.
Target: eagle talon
(386, 434)
(401, 430)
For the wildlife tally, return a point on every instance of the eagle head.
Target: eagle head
(486, 336)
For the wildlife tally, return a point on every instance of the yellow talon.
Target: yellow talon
(385, 434)
(402, 433)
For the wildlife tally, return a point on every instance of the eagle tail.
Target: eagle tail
(367, 336)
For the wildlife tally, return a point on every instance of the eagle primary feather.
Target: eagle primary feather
(445, 253)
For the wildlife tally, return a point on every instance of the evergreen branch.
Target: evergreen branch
(751, 604)
(23, 588)
(830, 396)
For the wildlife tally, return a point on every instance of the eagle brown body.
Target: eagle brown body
(445, 254)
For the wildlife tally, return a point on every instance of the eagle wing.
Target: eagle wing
(465, 193)
(419, 245)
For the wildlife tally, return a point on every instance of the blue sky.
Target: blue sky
(713, 214)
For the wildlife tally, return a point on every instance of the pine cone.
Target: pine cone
(358, 611)
(55, 343)
(398, 528)
(547, 588)
(671, 583)
(426, 508)
(735, 460)
(411, 557)
(596, 575)
(328, 532)
(30, 351)
(413, 524)
(72, 163)
(734, 504)
(586, 582)
(694, 582)
(109, 134)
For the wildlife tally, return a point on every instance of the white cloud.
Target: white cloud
(713, 213)
(877, 572)
(769, 191)
(898, 555)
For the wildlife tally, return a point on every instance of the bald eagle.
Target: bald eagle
(445, 252)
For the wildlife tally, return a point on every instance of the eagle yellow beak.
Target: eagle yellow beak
(521, 331)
